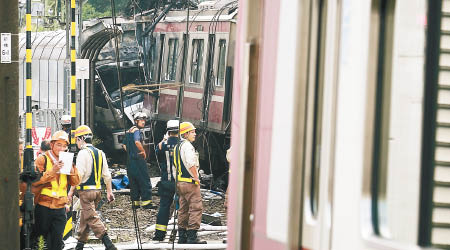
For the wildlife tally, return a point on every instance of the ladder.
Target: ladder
(440, 226)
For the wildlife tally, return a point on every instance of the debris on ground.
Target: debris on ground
(118, 215)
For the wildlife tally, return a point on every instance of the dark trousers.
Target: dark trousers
(50, 223)
(166, 198)
(140, 186)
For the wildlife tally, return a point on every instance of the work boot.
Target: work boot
(192, 238)
(182, 236)
(108, 243)
(159, 235)
(80, 245)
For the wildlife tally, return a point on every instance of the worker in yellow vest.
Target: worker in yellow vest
(186, 163)
(93, 168)
(50, 212)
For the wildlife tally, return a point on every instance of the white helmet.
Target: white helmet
(140, 116)
(66, 120)
(173, 125)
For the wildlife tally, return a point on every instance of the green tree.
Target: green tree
(89, 12)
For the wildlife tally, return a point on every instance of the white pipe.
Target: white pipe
(207, 233)
(152, 228)
(176, 246)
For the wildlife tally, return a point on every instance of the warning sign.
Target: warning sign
(39, 134)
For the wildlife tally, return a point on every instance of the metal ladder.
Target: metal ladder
(440, 226)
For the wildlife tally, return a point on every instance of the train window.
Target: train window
(152, 58)
(315, 101)
(220, 80)
(395, 111)
(172, 59)
(196, 62)
(381, 120)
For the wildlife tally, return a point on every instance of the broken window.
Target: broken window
(197, 59)
(220, 80)
(171, 70)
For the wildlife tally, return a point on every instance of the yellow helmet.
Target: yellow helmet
(82, 130)
(60, 135)
(186, 127)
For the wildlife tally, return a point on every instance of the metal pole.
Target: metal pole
(73, 79)
(28, 174)
(9, 110)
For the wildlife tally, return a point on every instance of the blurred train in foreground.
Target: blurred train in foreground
(341, 125)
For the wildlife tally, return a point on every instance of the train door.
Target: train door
(170, 76)
(382, 137)
(195, 76)
(318, 145)
(216, 79)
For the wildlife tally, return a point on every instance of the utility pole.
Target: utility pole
(9, 111)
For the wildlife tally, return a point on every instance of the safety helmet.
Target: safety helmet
(66, 120)
(172, 125)
(140, 116)
(186, 127)
(83, 130)
(60, 135)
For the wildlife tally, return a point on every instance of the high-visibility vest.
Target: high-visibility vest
(183, 173)
(94, 181)
(59, 188)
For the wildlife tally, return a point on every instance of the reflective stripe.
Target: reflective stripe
(97, 172)
(161, 227)
(144, 203)
(136, 203)
(58, 189)
(177, 161)
(87, 188)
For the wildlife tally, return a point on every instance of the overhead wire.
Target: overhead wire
(119, 77)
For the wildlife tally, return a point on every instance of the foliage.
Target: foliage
(100, 8)
(89, 12)
(41, 243)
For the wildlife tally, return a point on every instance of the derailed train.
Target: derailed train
(174, 64)
(178, 67)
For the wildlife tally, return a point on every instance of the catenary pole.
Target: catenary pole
(73, 79)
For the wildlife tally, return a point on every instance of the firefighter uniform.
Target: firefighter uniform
(166, 187)
(140, 186)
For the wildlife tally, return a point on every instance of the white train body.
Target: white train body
(330, 126)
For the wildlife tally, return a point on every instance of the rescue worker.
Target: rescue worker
(66, 123)
(166, 187)
(140, 186)
(92, 167)
(228, 156)
(50, 211)
(45, 146)
(187, 165)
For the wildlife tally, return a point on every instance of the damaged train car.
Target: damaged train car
(176, 64)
